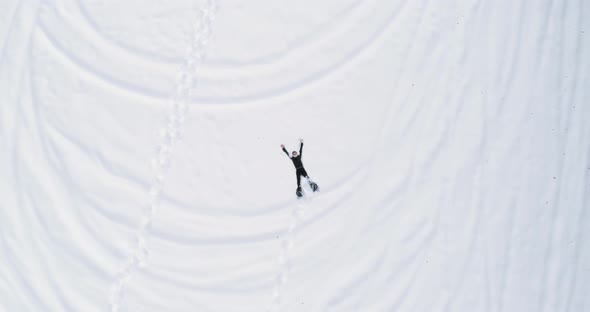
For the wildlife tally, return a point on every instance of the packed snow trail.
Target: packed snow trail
(171, 133)
(288, 243)
(284, 262)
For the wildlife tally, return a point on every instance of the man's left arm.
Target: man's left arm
(301, 147)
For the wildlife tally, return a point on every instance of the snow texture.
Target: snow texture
(141, 169)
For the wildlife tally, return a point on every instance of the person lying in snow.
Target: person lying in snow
(299, 169)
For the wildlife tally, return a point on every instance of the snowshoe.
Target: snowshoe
(314, 186)
(298, 192)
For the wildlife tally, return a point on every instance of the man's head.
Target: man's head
(294, 154)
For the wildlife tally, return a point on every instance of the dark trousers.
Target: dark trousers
(300, 172)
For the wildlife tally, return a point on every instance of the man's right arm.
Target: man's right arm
(285, 150)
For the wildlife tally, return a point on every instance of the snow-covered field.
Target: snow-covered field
(141, 170)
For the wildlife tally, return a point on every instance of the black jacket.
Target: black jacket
(296, 160)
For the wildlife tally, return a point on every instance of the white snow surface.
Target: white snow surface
(141, 170)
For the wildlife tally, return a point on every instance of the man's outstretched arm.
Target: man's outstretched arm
(301, 147)
(285, 150)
